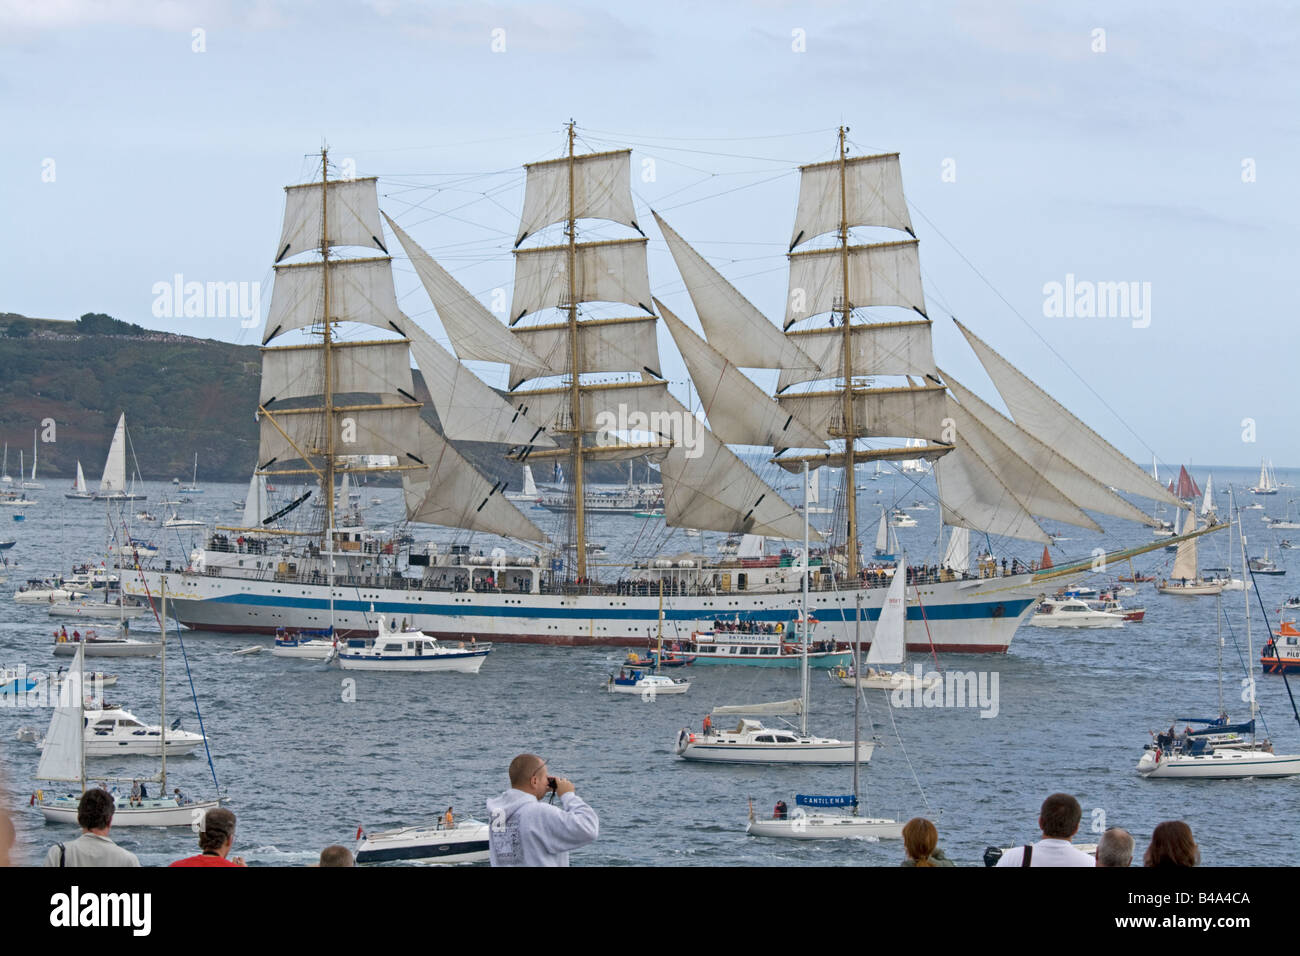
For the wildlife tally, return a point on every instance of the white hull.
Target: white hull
(467, 842)
(827, 826)
(964, 616)
(889, 680)
(48, 597)
(1221, 764)
(462, 664)
(649, 690)
(108, 648)
(834, 753)
(99, 612)
(166, 814)
(141, 747)
(310, 651)
(1191, 590)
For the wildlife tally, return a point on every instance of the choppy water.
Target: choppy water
(303, 767)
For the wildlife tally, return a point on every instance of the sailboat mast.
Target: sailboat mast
(162, 685)
(325, 353)
(807, 569)
(1218, 602)
(659, 656)
(575, 389)
(846, 313)
(1250, 647)
(857, 694)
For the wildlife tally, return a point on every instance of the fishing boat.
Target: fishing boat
(193, 487)
(465, 842)
(817, 823)
(882, 375)
(397, 650)
(1184, 578)
(63, 760)
(112, 485)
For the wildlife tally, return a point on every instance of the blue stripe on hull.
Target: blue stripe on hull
(829, 660)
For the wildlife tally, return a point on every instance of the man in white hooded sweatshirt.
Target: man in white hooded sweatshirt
(526, 832)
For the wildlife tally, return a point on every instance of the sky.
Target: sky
(1153, 144)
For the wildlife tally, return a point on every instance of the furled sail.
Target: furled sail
(113, 481)
(731, 323)
(449, 491)
(610, 271)
(776, 708)
(884, 348)
(872, 192)
(353, 214)
(884, 273)
(361, 290)
(739, 412)
(600, 191)
(1077, 485)
(1047, 420)
(604, 345)
(475, 333)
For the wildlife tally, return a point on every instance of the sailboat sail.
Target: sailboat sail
(1185, 561)
(80, 486)
(113, 481)
(62, 758)
(957, 556)
(888, 642)
(257, 506)
(1207, 502)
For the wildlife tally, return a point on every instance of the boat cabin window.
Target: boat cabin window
(130, 723)
(749, 650)
(104, 723)
(768, 650)
(765, 739)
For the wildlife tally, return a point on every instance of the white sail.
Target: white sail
(604, 345)
(63, 758)
(888, 641)
(882, 534)
(257, 506)
(641, 405)
(601, 190)
(872, 193)
(739, 412)
(113, 481)
(297, 371)
(731, 323)
(1077, 485)
(353, 213)
(1207, 502)
(450, 492)
(1039, 496)
(475, 333)
(610, 271)
(1178, 520)
(972, 496)
(1186, 564)
(341, 500)
(530, 486)
(885, 273)
(776, 708)
(80, 486)
(383, 429)
(957, 556)
(1047, 420)
(877, 412)
(883, 348)
(361, 290)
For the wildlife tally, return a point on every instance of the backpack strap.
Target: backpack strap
(1029, 854)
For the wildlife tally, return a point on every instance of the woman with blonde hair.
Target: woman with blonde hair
(920, 841)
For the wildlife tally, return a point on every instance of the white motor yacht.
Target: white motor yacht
(396, 650)
(466, 842)
(1073, 613)
(113, 732)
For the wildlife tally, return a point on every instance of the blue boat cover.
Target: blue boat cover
(1247, 728)
(813, 800)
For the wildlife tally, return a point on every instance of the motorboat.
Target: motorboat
(465, 842)
(1282, 652)
(1265, 565)
(1133, 615)
(37, 591)
(632, 680)
(901, 519)
(114, 732)
(397, 650)
(1073, 612)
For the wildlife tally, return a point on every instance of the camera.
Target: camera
(551, 783)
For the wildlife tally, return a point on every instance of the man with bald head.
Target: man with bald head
(1115, 848)
(523, 831)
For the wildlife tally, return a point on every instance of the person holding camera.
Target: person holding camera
(523, 831)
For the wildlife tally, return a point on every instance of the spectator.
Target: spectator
(920, 842)
(216, 835)
(336, 856)
(1172, 845)
(1115, 848)
(1059, 820)
(93, 847)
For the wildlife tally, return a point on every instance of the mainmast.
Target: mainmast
(575, 389)
(329, 383)
(846, 314)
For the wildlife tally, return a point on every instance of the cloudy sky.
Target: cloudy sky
(1155, 146)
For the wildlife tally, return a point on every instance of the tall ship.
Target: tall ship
(858, 383)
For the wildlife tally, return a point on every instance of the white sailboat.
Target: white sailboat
(79, 490)
(1267, 481)
(818, 823)
(193, 487)
(4, 477)
(751, 742)
(633, 680)
(63, 760)
(32, 482)
(886, 539)
(112, 485)
(1207, 500)
(888, 646)
(1185, 577)
(529, 492)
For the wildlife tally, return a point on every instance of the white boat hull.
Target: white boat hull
(108, 648)
(834, 753)
(889, 680)
(649, 691)
(98, 612)
(467, 842)
(827, 826)
(309, 651)
(1220, 764)
(155, 813)
(458, 663)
